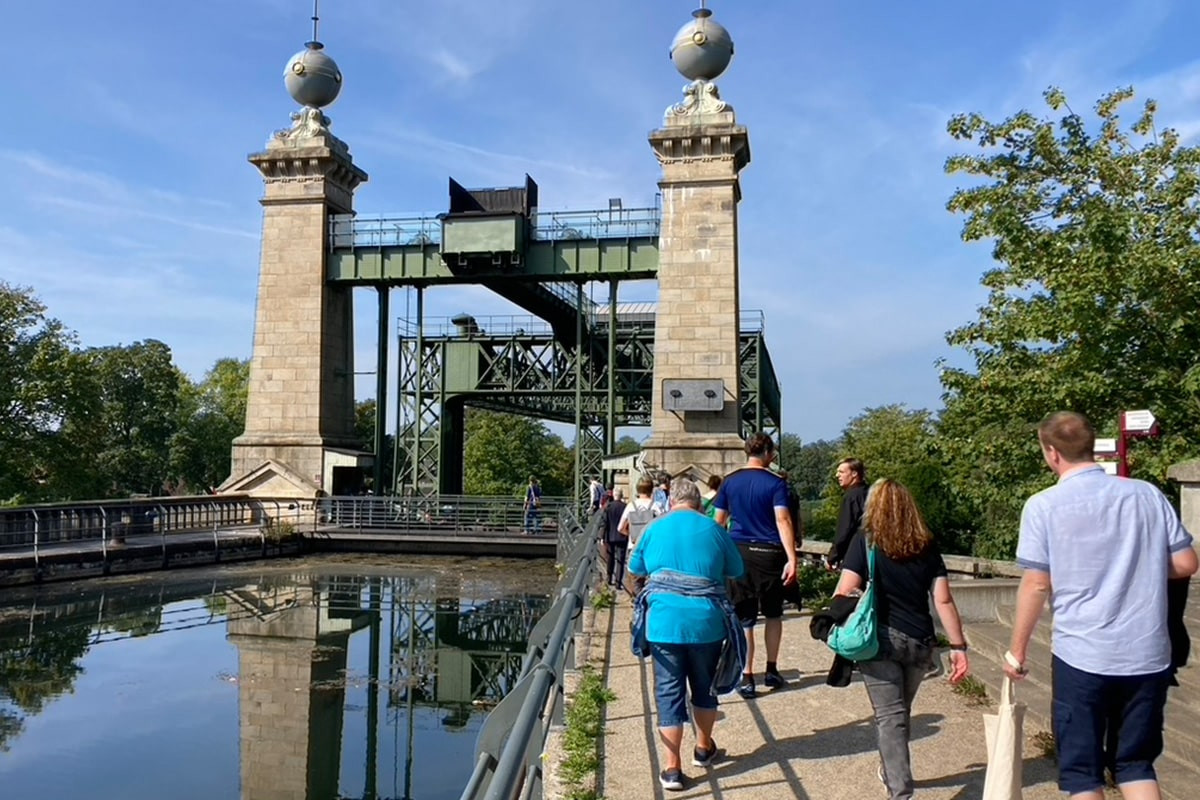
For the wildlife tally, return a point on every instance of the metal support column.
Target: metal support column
(610, 419)
(759, 422)
(398, 445)
(579, 477)
(381, 365)
(419, 406)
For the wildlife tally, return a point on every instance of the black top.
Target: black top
(901, 587)
(849, 520)
(612, 517)
(794, 511)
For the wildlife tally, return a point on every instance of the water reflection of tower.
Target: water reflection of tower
(291, 656)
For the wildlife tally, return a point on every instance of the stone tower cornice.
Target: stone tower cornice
(291, 168)
(707, 153)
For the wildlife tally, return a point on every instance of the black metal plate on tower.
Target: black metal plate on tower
(694, 394)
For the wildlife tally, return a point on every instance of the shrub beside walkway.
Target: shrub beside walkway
(808, 741)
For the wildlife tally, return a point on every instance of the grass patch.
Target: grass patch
(585, 723)
(603, 598)
(972, 689)
(1044, 745)
(279, 531)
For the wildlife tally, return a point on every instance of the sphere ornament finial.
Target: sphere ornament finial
(702, 49)
(312, 78)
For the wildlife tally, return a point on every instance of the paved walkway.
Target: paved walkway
(807, 741)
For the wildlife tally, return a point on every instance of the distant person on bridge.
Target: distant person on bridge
(908, 568)
(852, 477)
(616, 541)
(532, 506)
(636, 517)
(1102, 549)
(662, 494)
(595, 495)
(756, 501)
(684, 620)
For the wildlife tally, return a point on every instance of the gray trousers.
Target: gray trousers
(892, 679)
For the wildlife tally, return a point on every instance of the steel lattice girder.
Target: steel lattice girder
(535, 375)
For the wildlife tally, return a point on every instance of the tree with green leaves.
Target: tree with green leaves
(1094, 224)
(41, 388)
(503, 450)
(626, 446)
(126, 436)
(809, 466)
(212, 414)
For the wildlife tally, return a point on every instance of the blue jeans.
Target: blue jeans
(533, 520)
(676, 667)
(1113, 721)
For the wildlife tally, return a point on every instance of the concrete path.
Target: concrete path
(807, 741)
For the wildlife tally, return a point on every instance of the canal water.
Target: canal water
(318, 678)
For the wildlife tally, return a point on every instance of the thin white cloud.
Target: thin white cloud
(455, 68)
(111, 211)
(420, 146)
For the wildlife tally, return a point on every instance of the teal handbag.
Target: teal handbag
(857, 639)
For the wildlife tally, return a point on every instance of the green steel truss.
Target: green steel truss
(536, 375)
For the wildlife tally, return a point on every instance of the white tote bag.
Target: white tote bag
(1004, 736)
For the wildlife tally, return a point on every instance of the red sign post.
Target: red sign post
(1134, 425)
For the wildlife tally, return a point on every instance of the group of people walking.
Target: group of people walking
(1101, 549)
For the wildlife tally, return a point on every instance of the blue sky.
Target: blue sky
(130, 209)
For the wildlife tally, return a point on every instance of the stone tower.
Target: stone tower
(695, 419)
(300, 408)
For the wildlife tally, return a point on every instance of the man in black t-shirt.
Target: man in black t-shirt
(852, 477)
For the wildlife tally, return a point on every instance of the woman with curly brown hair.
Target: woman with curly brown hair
(908, 568)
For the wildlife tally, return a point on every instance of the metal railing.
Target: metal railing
(617, 223)
(508, 760)
(46, 525)
(447, 515)
(388, 230)
(629, 316)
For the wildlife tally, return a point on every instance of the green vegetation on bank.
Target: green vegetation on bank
(584, 724)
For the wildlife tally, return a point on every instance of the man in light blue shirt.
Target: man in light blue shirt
(1102, 549)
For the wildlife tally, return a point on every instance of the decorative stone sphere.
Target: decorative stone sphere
(312, 78)
(703, 48)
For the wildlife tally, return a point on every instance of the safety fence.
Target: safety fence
(40, 526)
(447, 515)
(508, 761)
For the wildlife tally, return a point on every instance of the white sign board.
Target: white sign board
(1105, 447)
(1109, 466)
(1139, 421)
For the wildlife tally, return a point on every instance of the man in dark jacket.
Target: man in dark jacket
(852, 477)
(617, 542)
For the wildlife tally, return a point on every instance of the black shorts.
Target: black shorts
(761, 587)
